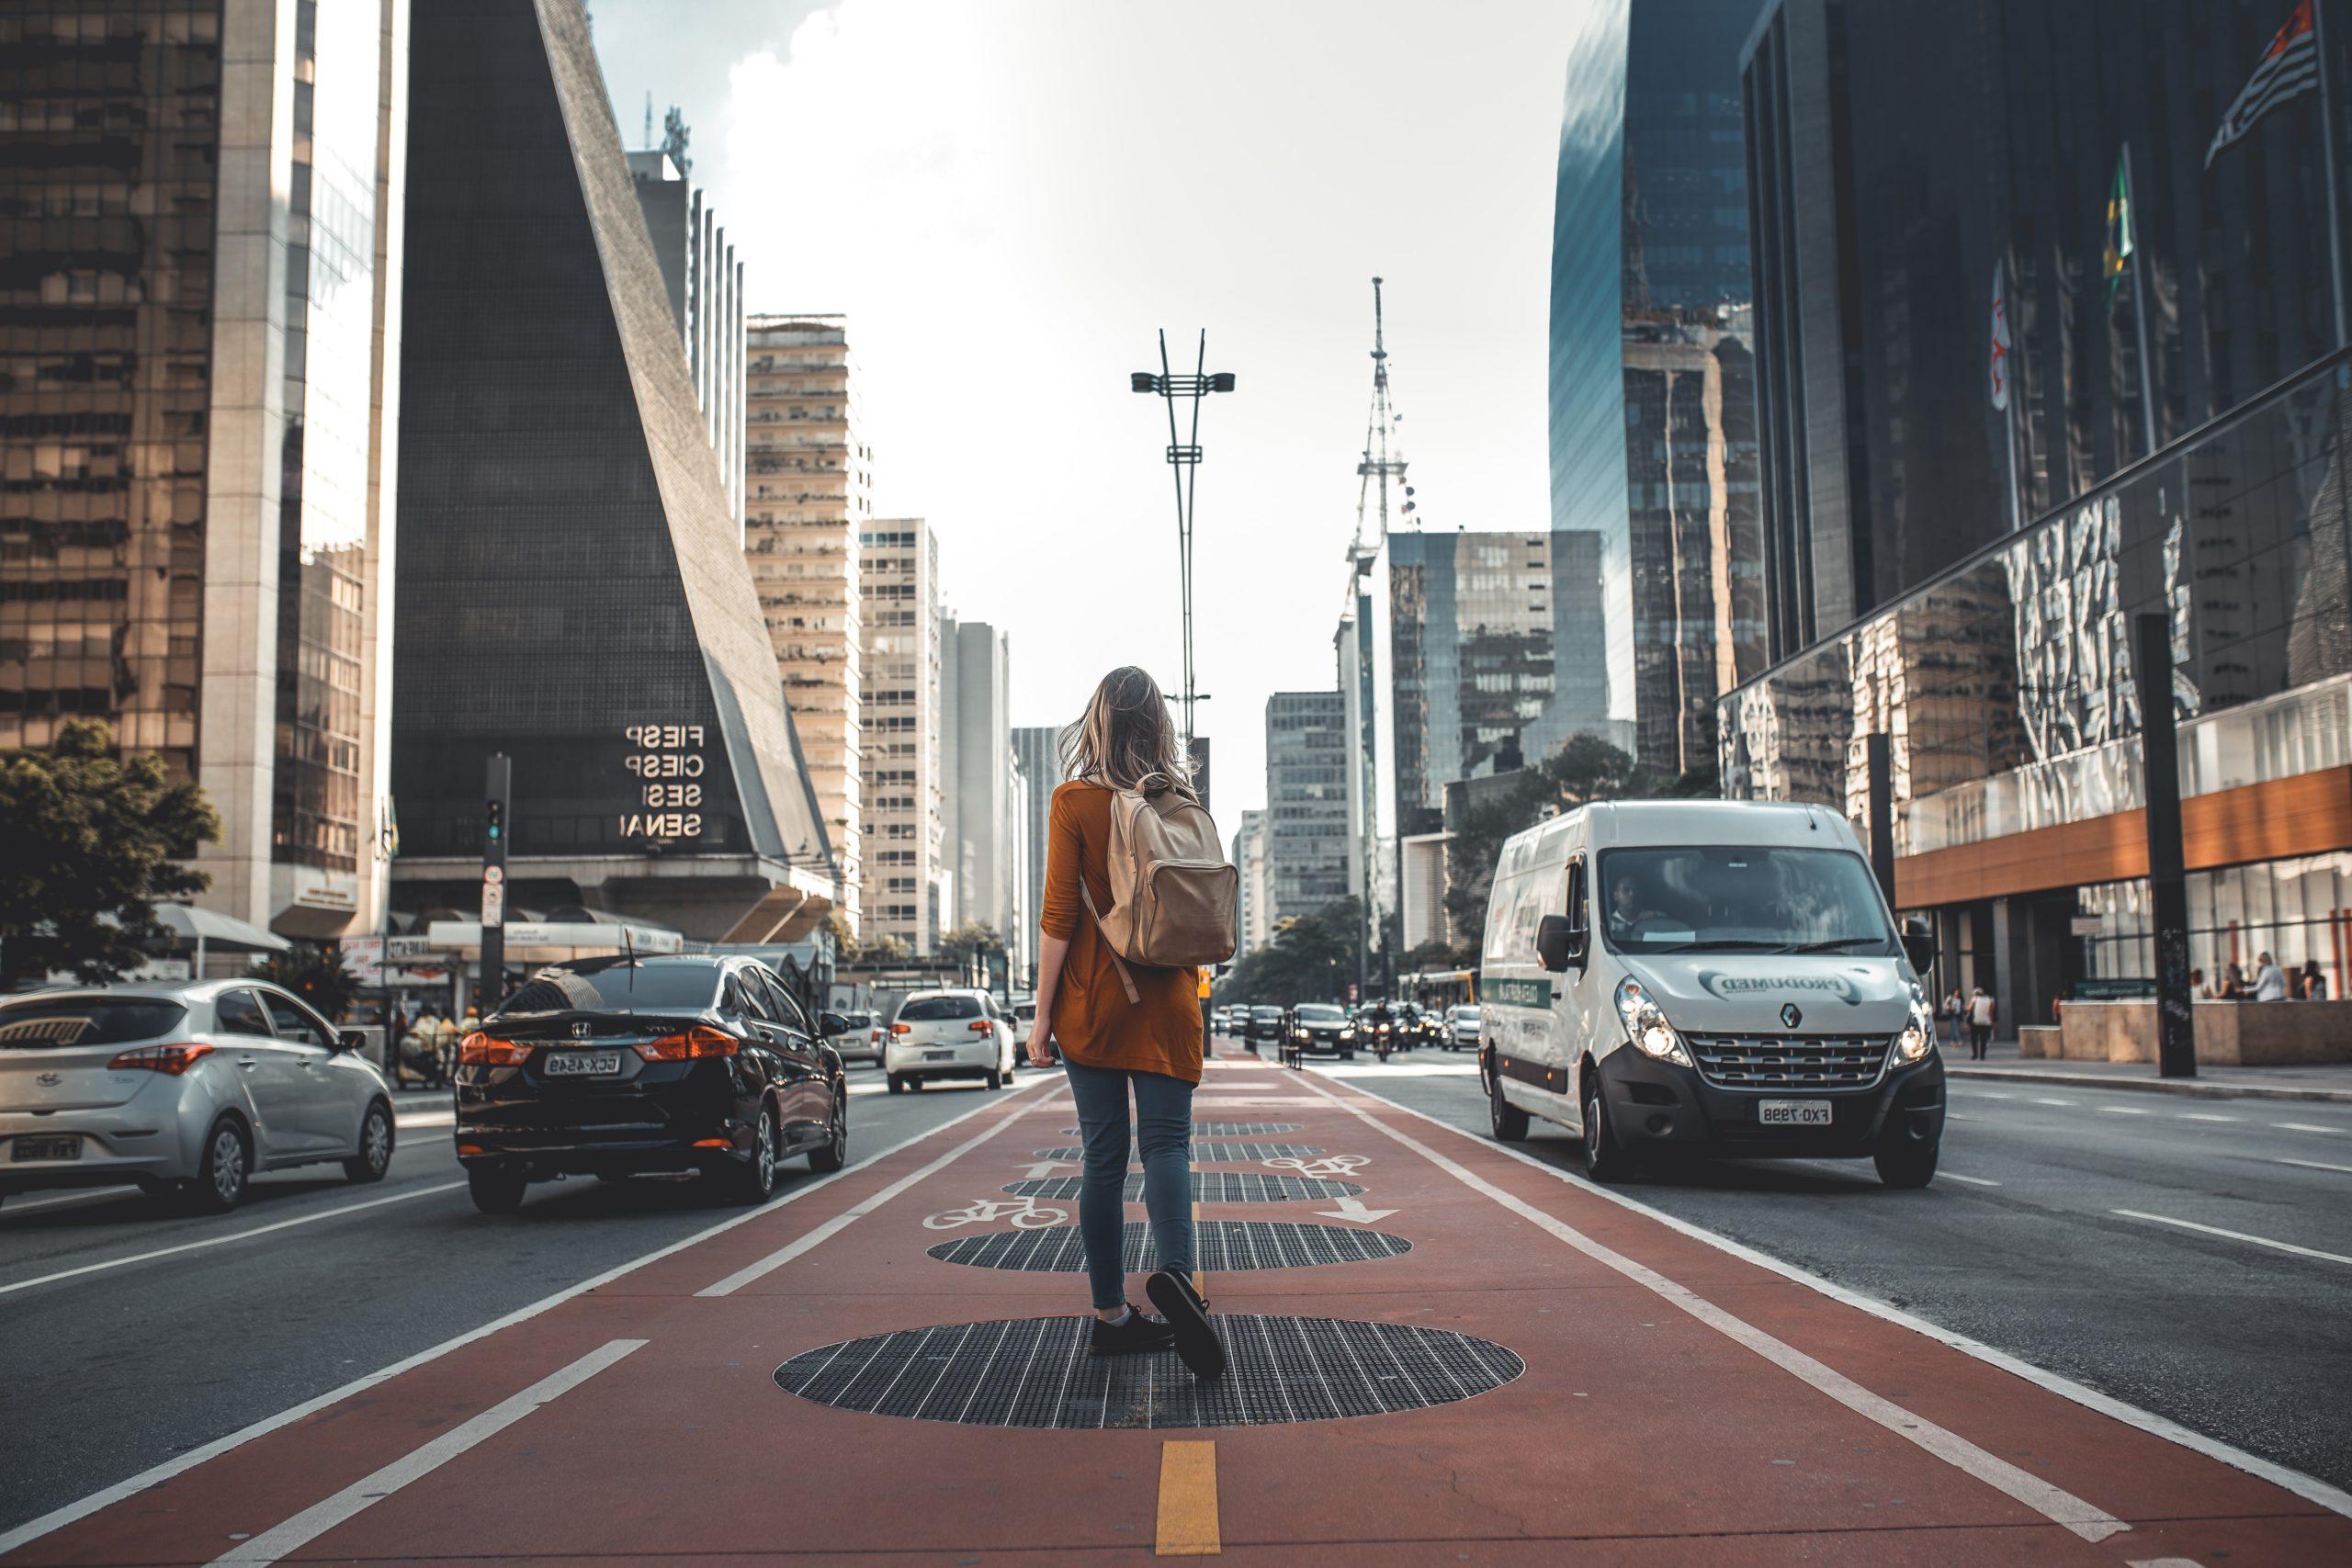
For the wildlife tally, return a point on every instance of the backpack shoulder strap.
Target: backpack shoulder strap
(1126, 978)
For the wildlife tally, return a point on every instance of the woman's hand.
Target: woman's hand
(1041, 1053)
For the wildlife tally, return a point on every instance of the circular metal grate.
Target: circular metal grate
(1216, 1154)
(1222, 1129)
(1224, 1246)
(1208, 1187)
(1036, 1372)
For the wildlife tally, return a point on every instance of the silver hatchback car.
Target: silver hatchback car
(181, 1088)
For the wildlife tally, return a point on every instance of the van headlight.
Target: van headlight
(1919, 1036)
(1645, 1024)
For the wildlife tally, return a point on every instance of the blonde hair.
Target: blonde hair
(1126, 737)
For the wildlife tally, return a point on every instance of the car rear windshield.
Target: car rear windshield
(644, 985)
(859, 1020)
(48, 1024)
(935, 1009)
(1265, 1012)
(1319, 1014)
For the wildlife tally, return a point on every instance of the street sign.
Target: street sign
(493, 899)
(493, 874)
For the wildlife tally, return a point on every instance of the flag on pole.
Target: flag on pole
(2289, 67)
(2118, 230)
(2000, 364)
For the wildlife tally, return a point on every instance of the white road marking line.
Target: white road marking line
(2164, 1562)
(842, 1221)
(430, 1119)
(180, 1464)
(125, 1262)
(320, 1518)
(2207, 1116)
(2043, 1100)
(1989, 1094)
(2333, 1499)
(90, 1196)
(2316, 1164)
(2304, 1127)
(2061, 1508)
(2125, 1111)
(1972, 1181)
(2235, 1235)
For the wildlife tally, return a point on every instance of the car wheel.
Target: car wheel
(222, 1169)
(495, 1192)
(375, 1155)
(897, 1084)
(1903, 1160)
(755, 1178)
(996, 1078)
(1604, 1160)
(1505, 1120)
(834, 1153)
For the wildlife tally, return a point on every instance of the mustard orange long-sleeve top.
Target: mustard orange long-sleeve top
(1094, 1020)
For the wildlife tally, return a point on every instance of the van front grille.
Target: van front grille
(1791, 1060)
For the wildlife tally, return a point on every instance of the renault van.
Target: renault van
(1719, 978)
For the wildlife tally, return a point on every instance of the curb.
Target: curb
(2196, 1087)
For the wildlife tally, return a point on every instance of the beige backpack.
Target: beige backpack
(1172, 892)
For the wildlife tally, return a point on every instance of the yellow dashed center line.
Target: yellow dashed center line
(1188, 1525)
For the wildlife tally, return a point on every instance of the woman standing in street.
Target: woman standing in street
(1112, 1046)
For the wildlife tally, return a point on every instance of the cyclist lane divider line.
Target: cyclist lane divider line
(1188, 1525)
(751, 1272)
(179, 1465)
(320, 1518)
(2061, 1508)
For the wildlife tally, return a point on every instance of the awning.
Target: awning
(224, 933)
(544, 942)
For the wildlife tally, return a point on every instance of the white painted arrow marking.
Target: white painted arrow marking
(1042, 1168)
(1353, 1209)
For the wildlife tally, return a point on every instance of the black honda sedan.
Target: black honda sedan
(620, 1066)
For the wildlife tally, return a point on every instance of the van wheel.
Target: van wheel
(1903, 1160)
(996, 1079)
(1507, 1121)
(1604, 1158)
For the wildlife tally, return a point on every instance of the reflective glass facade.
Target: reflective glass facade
(1306, 804)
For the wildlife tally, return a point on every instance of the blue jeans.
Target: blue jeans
(1164, 1130)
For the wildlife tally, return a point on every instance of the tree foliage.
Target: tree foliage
(1311, 959)
(314, 972)
(972, 937)
(88, 842)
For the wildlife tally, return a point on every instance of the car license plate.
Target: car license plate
(66, 1146)
(584, 1063)
(1794, 1113)
(939, 1056)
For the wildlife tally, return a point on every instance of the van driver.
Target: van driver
(1628, 909)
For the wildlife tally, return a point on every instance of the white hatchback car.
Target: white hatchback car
(948, 1034)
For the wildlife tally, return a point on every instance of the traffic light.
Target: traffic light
(495, 816)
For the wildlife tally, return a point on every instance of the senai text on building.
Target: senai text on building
(667, 761)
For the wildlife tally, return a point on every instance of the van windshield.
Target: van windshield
(1724, 898)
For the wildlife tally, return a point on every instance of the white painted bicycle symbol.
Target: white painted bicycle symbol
(1330, 1165)
(1025, 1213)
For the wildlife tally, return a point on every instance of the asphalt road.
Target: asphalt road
(2059, 1229)
(115, 1370)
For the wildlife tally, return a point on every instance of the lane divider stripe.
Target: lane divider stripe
(2235, 1235)
(2060, 1507)
(1187, 1523)
(180, 1464)
(2312, 1490)
(320, 1518)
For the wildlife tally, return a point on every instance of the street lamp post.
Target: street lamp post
(1184, 458)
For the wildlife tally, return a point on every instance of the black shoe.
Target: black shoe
(1188, 1319)
(1140, 1331)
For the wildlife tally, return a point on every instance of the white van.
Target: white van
(1718, 977)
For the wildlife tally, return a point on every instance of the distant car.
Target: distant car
(1315, 1026)
(948, 1034)
(1462, 1027)
(183, 1090)
(620, 1066)
(1265, 1023)
(1025, 1019)
(861, 1037)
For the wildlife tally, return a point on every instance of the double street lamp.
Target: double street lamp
(1184, 460)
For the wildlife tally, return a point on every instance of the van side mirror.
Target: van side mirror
(1558, 945)
(1919, 943)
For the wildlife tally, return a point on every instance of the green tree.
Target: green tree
(314, 971)
(88, 842)
(973, 936)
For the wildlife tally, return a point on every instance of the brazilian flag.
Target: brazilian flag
(2118, 230)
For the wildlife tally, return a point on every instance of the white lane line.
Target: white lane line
(2207, 1116)
(14, 1286)
(429, 1119)
(2235, 1235)
(2043, 1099)
(1988, 1093)
(842, 1221)
(179, 1465)
(2336, 1500)
(320, 1518)
(2304, 1127)
(2316, 1164)
(90, 1196)
(2124, 1110)
(1971, 1180)
(2061, 1508)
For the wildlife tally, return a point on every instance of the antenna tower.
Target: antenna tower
(1384, 450)
(649, 121)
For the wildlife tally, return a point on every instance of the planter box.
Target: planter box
(2253, 1034)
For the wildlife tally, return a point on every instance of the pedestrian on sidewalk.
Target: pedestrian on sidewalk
(2269, 981)
(1112, 1047)
(2313, 986)
(1980, 1024)
(1951, 1010)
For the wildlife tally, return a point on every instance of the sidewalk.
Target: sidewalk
(1443, 1351)
(2325, 1081)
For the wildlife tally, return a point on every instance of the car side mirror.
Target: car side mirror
(1919, 943)
(351, 1039)
(832, 1023)
(1558, 945)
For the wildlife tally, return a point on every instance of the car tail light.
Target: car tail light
(700, 1040)
(903, 1029)
(479, 1050)
(982, 1026)
(172, 1059)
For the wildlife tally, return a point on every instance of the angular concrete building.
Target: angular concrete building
(705, 283)
(575, 595)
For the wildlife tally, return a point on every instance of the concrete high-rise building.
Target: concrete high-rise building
(202, 315)
(976, 684)
(574, 593)
(1306, 804)
(1250, 860)
(705, 285)
(1038, 748)
(1020, 922)
(809, 483)
(902, 722)
(1653, 444)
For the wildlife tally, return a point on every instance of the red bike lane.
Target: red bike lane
(1547, 1372)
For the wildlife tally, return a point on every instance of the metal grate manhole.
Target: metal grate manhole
(1208, 1187)
(1036, 1372)
(1224, 1247)
(1216, 1154)
(1224, 1129)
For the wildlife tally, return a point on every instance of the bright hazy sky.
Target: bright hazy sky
(1009, 197)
